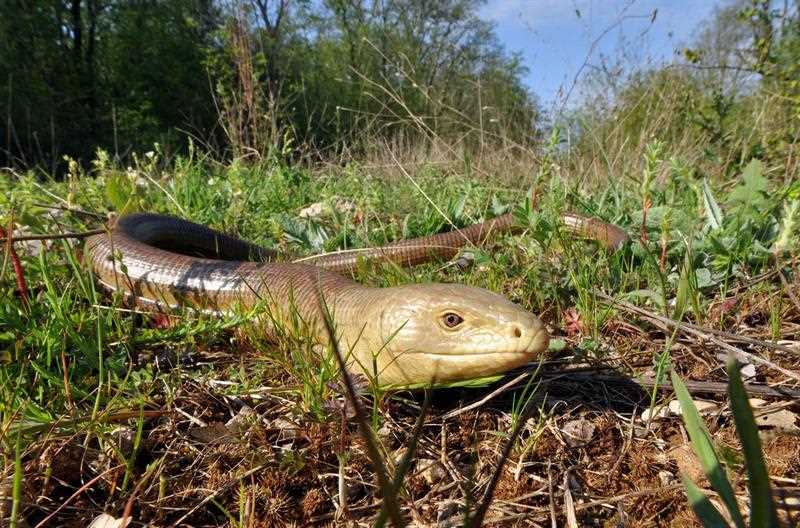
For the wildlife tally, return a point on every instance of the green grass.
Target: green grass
(74, 360)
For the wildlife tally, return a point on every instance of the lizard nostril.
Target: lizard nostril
(517, 332)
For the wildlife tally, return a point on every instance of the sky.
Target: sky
(555, 37)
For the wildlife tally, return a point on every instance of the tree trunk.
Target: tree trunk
(91, 92)
(77, 33)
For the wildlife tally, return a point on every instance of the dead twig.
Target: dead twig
(73, 210)
(55, 236)
(17, 264)
(500, 390)
(694, 387)
(705, 333)
(789, 290)
(77, 492)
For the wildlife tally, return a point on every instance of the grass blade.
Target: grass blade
(405, 461)
(762, 509)
(388, 491)
(713, 211)
(701, 444)
(16, 487)
(702, 507)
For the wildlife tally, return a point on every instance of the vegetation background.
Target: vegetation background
(394, 118)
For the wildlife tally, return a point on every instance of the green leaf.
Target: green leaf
(684, 290)
(705, 511)
(308, 232)
(653, 296)
(498, 208)
(762, 508)
(456, 209)
(701, 444)
(119, 193)
(753, 187)
(704, 278)
(714, 216)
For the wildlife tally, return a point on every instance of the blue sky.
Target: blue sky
(555, 40)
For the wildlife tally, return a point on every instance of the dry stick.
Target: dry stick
(74, 210)
(58, 236)
(719, 333)
(491, 395)
(594, 503)
(78, 492)
(700, 387)
(694, 387)
(789, 291)
(705, 333)
(16, 263)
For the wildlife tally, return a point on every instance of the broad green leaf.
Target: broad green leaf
(701, 444)
(762, 508)
(705, 511)
(704, 278)
(753, 186)
(713, 212)
(310, 233)
(498, 208)
(653, 296)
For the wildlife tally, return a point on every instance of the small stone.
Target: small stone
(578, 432)
(665, 477)
(105, 520)
(794, 502)
(465, 260)
(748, 371)
(703, 407)
(287, 430)
(687, 462)
(124, 438)
(431, 470)
(398, 454)
(240, 423)
(312, 211)
(784, 421)
(385, 433)
(658, 413)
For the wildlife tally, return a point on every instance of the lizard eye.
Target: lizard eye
(452, 320)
